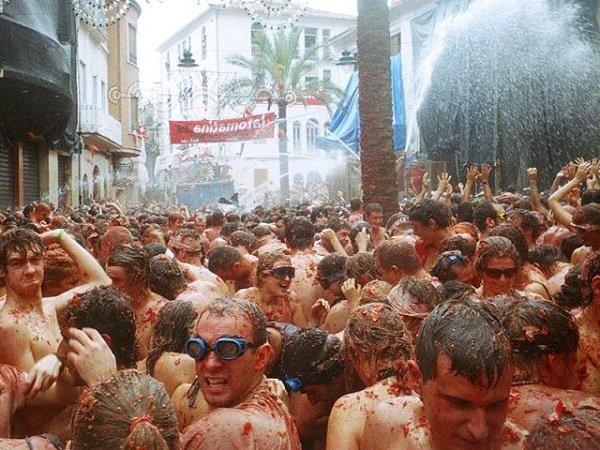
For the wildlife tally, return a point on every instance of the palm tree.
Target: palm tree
(276, 76)
(378, 160)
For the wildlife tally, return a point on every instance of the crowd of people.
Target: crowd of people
(468, 320)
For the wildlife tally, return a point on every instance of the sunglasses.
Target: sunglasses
(497, 273)
(282, 272)
(226, 348)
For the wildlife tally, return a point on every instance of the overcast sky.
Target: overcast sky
(160, 20)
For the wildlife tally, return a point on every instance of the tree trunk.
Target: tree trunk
(377, 156)
(284, 169)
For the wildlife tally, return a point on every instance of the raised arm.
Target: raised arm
(91, 273)
(561, 216)
(532, 174)
(472, 174)
(329, 235)
(485, 176)
(443, 181)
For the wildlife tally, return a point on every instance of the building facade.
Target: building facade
(194, 94)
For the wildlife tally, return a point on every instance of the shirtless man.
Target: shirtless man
(374, 217)
(588, 359)
(29, 329)
(431, 221)
(231, 352)
(552, 263)
(213, 231)
(356, 211)
(113, 237)
(461, 377)
(188, 246)
(299, 237)
(586, 223)
(395, 260)
(129, 268)
(380, 364)
(485, 218)
(235, 268)
(544, 339)
(167, 280)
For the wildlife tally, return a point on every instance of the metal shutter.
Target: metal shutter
(31, 173)
(7, 179)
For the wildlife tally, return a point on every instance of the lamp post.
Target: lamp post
(187, 61)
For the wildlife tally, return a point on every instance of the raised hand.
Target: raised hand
(443, 181)
(532, 174)
(485, 172)
(351, 290)
(472, 173)
(584, 170)
(319, 311)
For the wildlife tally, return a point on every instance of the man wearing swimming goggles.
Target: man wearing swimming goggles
(231, 352)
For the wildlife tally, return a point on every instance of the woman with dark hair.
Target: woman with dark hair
(130, 410)
(165, 362)
(498, 263)
(272, 291)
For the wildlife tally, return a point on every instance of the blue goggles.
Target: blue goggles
(293, 385)
(226, 348)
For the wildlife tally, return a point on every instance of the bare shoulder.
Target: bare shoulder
(513, 437)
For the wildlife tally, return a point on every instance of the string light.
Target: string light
(100, 13)
(274, 14)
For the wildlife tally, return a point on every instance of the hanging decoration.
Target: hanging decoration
(101, 13)
(274, 14)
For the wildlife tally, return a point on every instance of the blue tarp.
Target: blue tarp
(344, 131)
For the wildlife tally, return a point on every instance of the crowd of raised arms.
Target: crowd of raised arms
(466, 321)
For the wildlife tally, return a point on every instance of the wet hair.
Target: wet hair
(570, 244)
(332, 264)
(244, 239)
(495, 247)
(361, 264)
(590, 268)
(470, 335)
(299, 233)
(174, 217)
(130, 410)
(229, 228)
(588, 214)
(451, 290)
(232, 217)
(217, 219)
(418, 289)
(445, 263)
(19, 240)
(466, 246)
(316, 213)
(155, 249)
(431, 209)
(355, 204)
(395, 252)
(590, 196)
(134, 259)
(223, 258)
(464, 212)
(371, 208)
(116, 236)
(262, 229)
(531, 221)
(59, 271)
(312, 355)
(376, 332)
(482, 212)
(336, 224)
(516, 236)
(109, 312)
(267, 260)
(537, 328)
(569, 296)
(236, 308)
(574, 430)
(174, 326)
(545, 256)
(165, 277)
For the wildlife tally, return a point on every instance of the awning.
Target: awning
(344, 131)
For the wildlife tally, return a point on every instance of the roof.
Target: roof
(212, 8)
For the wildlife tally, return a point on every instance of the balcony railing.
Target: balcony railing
(96, 120)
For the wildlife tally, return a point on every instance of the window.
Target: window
(204, 88)
(204, 44)
(132, 43)
(327, 76)
(312, 127)
(296, 135)
(83, 82)
(95, 90)
(326, 47)
(134, 118)
(396, 44)
(189, 43)
(255, 33)
(103, 98)
(310, 80)
(310, 40)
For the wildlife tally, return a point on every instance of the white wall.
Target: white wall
(93, 52)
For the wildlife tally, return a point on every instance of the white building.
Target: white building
(193, 94)
(100, 131)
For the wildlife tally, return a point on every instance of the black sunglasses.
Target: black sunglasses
(497, 273)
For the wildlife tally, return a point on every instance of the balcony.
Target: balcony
(96, 121)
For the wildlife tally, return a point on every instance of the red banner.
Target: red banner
(228, 130)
